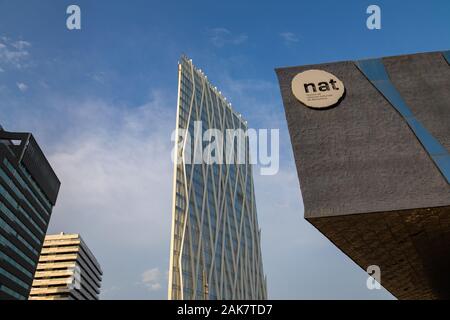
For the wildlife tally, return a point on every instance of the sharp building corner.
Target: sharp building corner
(215, 248)
(371, 141)
(28, 191)
(67, 270)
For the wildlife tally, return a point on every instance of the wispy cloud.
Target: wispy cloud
(14, 53)
(21, 44)
(289, 38)
(110, 289)
(22, 86)
(99, 77)
(152, 279)
(260, 98)
(222, 36)
(114, 162)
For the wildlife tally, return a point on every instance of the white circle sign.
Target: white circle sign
(317, 89)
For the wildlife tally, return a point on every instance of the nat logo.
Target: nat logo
(318, 89)
(321, 86)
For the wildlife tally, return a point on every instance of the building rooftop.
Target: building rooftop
(216, 91)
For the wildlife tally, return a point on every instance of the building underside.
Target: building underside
(411, 247)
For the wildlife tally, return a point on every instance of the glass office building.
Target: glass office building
(67, 270)
(215, 246)
(28, 191)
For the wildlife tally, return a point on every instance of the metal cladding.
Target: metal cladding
(67, 270)
(28, 192)
(375, 71)
(30, 154)
(374, 168)
(215, 248)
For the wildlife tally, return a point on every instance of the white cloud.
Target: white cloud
(112, 167)
(115, 167)
(222, 36)
(260, 98)
(22, 86)
(110, 290)
(289, 37)
(152, 279)
(21, 45)
(99, 77)
(114, 164)
(14, 53)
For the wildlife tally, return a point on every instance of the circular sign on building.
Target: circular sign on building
(317, 89)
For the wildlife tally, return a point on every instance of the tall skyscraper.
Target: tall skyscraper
(371, 141)
(67, 270)
(215, 247)
(28, 191)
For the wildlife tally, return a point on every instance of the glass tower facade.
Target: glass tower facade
(215, 247)
(28, 192)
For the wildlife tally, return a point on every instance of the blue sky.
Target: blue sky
(102, 101)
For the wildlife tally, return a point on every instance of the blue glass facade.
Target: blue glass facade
(26, 203)
(215, 252)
